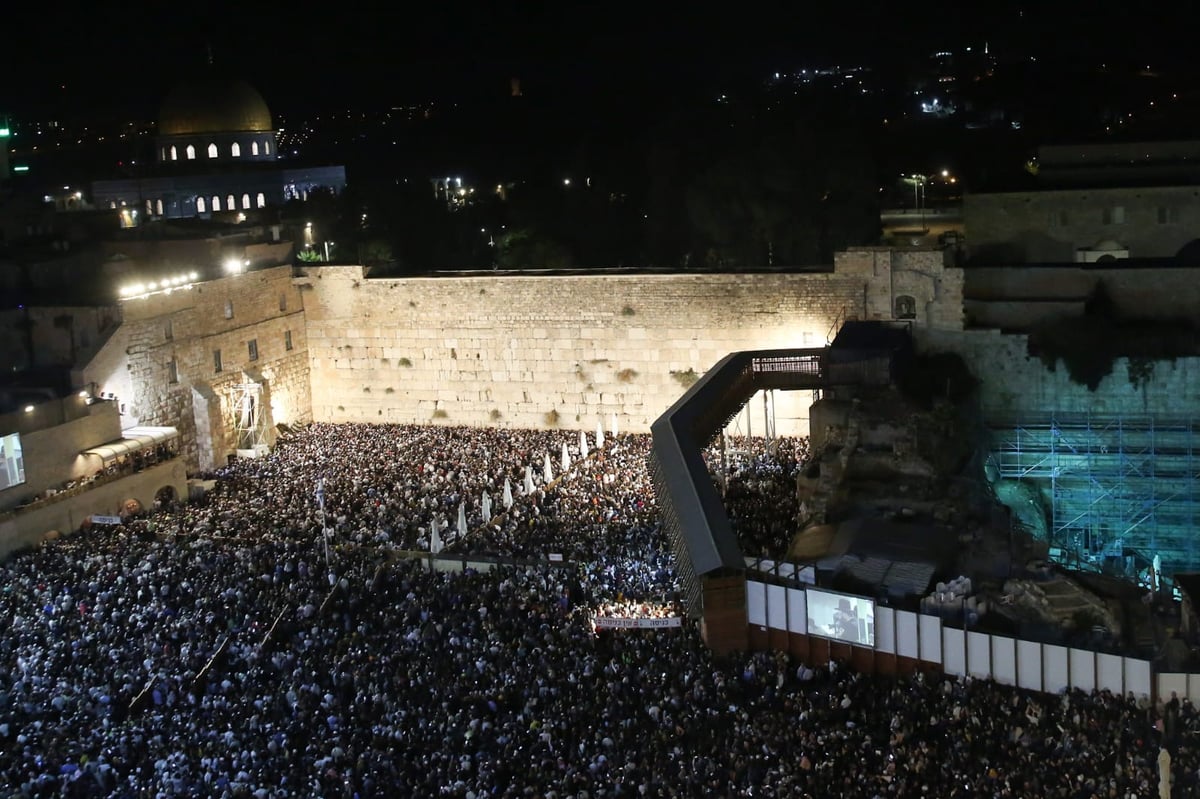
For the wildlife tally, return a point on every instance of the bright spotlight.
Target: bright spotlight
(233, 266)
(193, 276)
(28, 409)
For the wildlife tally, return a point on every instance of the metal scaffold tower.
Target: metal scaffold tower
(247, 419)
(1118, 489)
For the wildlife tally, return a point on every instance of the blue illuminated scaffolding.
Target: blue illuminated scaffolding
(1119, 489)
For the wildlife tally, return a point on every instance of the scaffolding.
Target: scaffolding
(247, 420)
(1119, 489)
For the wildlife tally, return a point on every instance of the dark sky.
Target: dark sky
(124, 56)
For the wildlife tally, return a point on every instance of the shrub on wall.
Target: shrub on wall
(627, 375)
(686, 377)
(403, 362)
(551, 418)
(440, 414)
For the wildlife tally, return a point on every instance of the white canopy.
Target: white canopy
(132, 440)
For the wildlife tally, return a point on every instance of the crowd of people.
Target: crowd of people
(211, 649)
(758, 478)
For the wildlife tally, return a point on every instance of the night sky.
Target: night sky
(122, 57)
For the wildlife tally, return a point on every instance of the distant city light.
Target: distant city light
(20, 168)
(235, 265)
(5, 133)
(28, 409)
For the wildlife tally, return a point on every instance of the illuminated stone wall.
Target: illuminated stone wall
(537, 351)
(187, 327)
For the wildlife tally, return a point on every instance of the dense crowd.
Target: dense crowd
(758, 478)
(208, 650)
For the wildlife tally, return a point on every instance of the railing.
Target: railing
(692, 512)
(96, 482)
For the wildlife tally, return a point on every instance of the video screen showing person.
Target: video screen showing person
(845, 618)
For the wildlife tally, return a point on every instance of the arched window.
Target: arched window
(216, 203)
(236, 150)
(245, 201)
(162, 153)
(230, 203)
(906, 307)
(158, 207)
(174, 153)
(191, 152)
(261, 200)
(266, 148)
(149, 207)
(253, 148)
(200, 209)
(212, 150)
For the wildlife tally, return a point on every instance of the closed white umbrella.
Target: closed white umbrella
(435, 537)
(612, 426)
(583, 450)
(528, 480)
(462, 520)
(508, 500)
(486, 502)
(599, 434)
(566, 459)
(547, 470)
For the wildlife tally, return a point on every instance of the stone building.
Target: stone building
(216, 154)
(64, 460)
(225, 361)
(528, 350)
(1089, 203)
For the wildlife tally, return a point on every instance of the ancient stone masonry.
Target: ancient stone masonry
(565, 350)
(329, 344)
(192, 345)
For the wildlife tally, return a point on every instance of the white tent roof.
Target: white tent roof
(132, 440)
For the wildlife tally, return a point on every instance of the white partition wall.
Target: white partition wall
(1168, 683)
(1056, 669)
(1137, 677)
(1026, 664)
(885, 630)
(979, 655)
(1004, 660)
(931, 639)
(777, 611)
(954, 652)
(1029, 665)
(756, 603)
(1194, 688)
(908, 643)
(797, 611)
(1110, 676)
(1083, 669)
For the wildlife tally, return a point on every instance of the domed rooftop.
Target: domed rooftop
(213, 105)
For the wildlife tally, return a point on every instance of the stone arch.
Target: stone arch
(905, 307)
(166, 496)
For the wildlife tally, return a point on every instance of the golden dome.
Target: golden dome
(213, 106)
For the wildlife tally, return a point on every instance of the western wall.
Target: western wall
(566, 350)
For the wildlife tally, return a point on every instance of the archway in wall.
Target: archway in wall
(166, 496)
